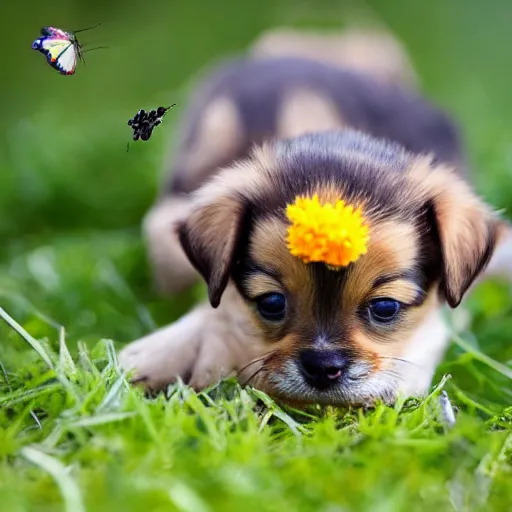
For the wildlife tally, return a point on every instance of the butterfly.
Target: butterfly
(143, 123)
(62, 49)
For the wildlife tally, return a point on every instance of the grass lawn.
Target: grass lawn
(74, 284)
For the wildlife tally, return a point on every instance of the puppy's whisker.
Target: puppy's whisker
(262, 367)
(261, 358)
(395, 374)
(265, 359)
(398, 359)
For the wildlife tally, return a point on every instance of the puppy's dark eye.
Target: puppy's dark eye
(272, 306)
(384, 310)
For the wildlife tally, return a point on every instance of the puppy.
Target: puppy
(298, 327)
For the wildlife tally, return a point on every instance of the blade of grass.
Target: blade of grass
(36, 345)
(483, 358)
(3, 371)
(68, 487)
(110, 350)
(113, 394)
(67, 365)
(23, 395)
(100, 419)
(186, 499)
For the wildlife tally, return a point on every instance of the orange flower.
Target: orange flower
(334, 234)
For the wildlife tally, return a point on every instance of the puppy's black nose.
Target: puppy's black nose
(322, 368)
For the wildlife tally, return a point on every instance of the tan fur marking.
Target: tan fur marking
(219, 138)
(392, 248)
(259, 284)
(374, 52)
(305, 111)
(401, 290)
(269, 249)
(422, 353)
(395, 241)
(285, 349)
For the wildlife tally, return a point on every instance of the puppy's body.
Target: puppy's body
(430, 236)
(286, 97)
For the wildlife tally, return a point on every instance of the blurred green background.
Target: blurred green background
(72, 198)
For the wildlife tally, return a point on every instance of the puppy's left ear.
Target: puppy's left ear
(210, 236)
(467, 228)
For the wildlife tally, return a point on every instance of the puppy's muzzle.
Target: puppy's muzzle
(322, 369)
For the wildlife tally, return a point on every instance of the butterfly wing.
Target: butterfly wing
(66, 62)
(38, 44)
(56, 33)
(60, 53)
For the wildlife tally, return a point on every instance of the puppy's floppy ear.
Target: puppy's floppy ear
(210, 236)
(467, 228)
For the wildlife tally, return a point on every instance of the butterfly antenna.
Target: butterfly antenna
(88, 28)
(169, 108)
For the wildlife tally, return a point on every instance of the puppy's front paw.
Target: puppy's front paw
(191, 349)
(160, 358)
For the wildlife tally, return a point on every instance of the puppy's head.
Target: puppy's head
(338, 336)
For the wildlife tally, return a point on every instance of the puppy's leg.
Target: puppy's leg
(172, 271)
(201, 348)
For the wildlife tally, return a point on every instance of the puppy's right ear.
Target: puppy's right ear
(467, 228)
(210, 236)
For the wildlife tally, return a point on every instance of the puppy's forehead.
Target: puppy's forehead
(393, 249)
(336, 165)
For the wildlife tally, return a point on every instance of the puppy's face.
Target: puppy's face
(338, 336)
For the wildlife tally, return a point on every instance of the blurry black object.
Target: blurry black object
(143, 123)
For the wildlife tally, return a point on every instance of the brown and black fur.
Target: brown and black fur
(375, 145)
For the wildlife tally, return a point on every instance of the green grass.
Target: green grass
(73, 276)
(75, 433)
